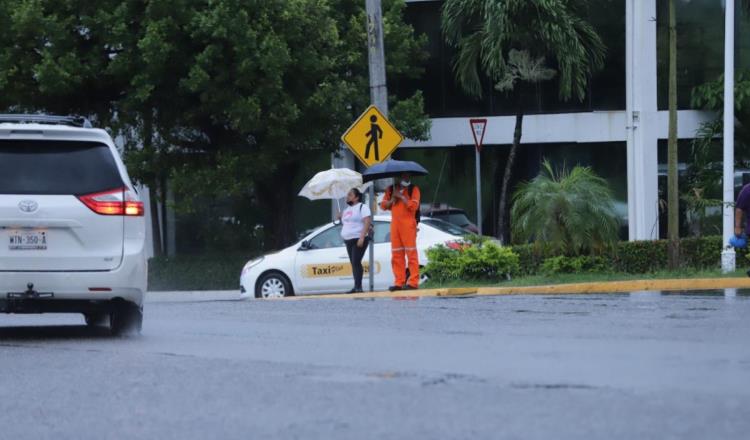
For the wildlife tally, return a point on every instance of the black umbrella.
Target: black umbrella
(393, 168)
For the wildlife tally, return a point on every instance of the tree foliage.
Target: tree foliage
(569, 211)
(222, 98)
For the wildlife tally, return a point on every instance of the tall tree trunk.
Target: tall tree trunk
(164, 206)
(153, 188)
(155, 229)
(673, 227)
(502, 228)
(276, 197)
(497, 182)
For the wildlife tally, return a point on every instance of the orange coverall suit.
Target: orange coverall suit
(404, 235)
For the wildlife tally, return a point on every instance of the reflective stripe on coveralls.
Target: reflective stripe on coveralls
(404, 235)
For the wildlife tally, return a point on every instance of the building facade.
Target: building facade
(620, 129)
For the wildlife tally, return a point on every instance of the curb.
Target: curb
(608, 287)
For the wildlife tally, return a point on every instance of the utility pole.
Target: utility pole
(378, 89)
(673, 223)
(727, 255)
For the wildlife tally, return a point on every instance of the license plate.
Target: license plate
(27, 240)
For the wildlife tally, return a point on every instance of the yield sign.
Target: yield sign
(477, 130)
(372, 137)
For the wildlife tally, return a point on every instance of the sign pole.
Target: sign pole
(478, 127)
(477, 155)
(378, 90)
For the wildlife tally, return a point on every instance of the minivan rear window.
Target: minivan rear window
(57, 167)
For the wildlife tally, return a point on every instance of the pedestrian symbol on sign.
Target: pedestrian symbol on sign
(374, 134)
(372, 137)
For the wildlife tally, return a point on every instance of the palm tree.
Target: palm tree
(570, 211)
(487, 32)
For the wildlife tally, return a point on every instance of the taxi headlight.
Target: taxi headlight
(250, 264)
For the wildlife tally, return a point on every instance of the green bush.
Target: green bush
(470, 261)
(579, 264)
(701, 253)
(633, 257)
(443, 264)
(531, 257)
(569, 210)
(640, 256)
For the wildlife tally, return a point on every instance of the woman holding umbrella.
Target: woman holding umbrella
(356, 221)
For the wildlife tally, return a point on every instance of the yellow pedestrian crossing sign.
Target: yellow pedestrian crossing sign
(372, 137)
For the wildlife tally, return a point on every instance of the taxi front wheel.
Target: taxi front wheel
(273, 285)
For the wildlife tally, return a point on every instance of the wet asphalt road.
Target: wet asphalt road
(636, 366)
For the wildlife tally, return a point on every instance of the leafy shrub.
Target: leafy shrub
(633, 257)
(531, 257)
(580, 264)
(443, 264)
(466, 261)
(571, 211)
(641, 256)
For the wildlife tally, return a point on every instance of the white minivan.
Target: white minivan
(72, 229)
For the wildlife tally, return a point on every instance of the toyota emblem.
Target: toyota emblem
(28, 205)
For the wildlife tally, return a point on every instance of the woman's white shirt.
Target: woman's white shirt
(353, 221)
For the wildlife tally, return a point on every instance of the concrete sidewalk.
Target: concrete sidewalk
(192, 296)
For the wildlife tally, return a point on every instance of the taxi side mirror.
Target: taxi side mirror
(304, 246)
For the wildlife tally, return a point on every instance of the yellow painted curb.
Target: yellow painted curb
(622, 286)
(553, 289)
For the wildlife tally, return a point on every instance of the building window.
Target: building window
(700, 46)
(444, 98)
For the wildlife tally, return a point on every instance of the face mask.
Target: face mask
(405, 183)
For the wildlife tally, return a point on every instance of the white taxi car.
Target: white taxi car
(319, 262)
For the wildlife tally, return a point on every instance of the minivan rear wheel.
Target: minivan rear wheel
(95, 319)
(126, 319)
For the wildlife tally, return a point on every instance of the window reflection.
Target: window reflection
(444, 98)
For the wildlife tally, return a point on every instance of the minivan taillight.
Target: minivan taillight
(120, 201)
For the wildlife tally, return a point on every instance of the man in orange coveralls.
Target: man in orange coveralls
(403, 202)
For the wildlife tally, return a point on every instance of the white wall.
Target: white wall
(553, 128)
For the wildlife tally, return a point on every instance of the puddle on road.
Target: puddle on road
(553, 386)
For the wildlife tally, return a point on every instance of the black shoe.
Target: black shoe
(358, 291)
(395, 288)
(748, 273)
(355, 290)
(411, 288)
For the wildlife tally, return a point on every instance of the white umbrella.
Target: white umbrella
(333, 184)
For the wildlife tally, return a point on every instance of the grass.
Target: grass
(542, 280)
(204, 272)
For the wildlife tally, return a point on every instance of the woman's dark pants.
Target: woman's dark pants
(355, 258)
